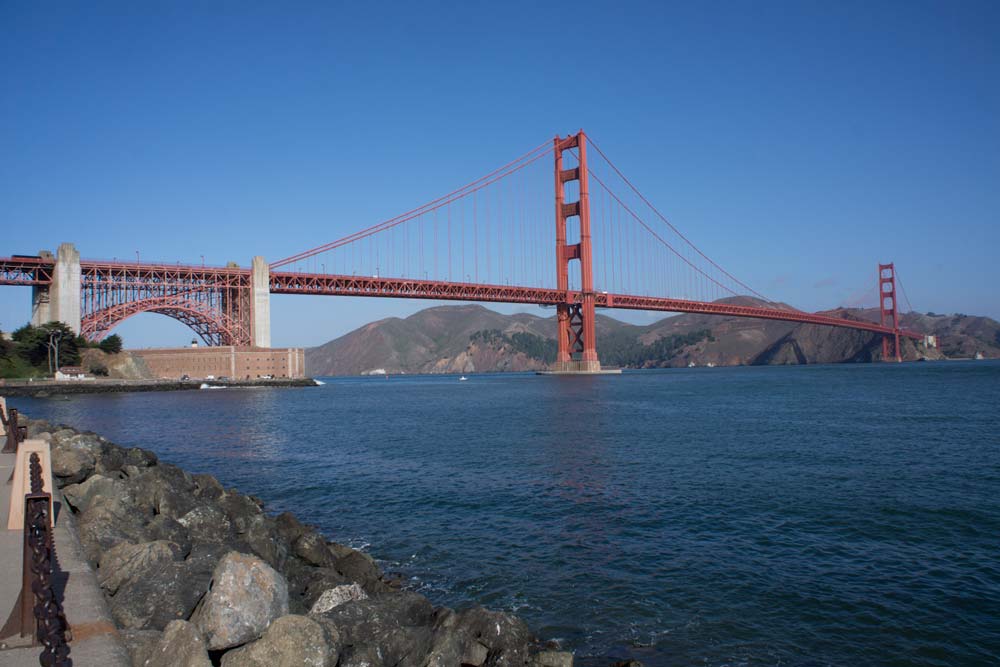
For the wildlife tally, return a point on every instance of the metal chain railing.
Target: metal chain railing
(39, 561)
(15, 433)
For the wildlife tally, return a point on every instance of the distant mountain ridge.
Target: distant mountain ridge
(471, 338)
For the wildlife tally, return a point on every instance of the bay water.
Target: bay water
(809, 515)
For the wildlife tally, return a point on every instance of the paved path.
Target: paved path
(96, 642)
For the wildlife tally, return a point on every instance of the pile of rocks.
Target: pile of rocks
(196, 574)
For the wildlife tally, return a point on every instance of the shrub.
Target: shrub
(112, 344)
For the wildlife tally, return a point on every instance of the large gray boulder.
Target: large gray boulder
(71, 465)
(246, 596)
(360, 567)
(140, 644)
(289, 526)
(169, 591)
(240, 509)
(306, 582)
(109, 521)
(125, 562)
(551, 659)
(180, 646)
(37, 427)
(97, 488)
(361, 620)
(110, 459)
(393, 629)
(311, 547)
(404, 647)
(159, 489)
(162, 527)
(85, 442)
(262, 536)
(205, 556)
(290, 641)
(207, 523)
(140, 458)
(479, 637)
(61, 435)
(207, 487)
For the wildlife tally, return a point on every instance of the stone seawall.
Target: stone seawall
(44, 388)
(196, 575)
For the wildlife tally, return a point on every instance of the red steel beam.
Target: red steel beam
(336, 285)
(25, 271)
(38, 271)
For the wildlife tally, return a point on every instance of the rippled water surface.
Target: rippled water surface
(841, 515)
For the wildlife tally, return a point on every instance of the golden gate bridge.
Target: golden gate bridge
(491, 240)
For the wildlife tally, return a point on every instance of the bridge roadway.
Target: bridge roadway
(38, 271)
(407, 288)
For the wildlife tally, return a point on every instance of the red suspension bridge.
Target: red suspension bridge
(491, 240)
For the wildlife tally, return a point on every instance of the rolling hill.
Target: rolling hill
(471, 338)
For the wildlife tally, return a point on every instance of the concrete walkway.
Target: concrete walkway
(95, 642)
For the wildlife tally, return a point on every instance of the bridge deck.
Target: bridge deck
(336, 285)
(38, 271)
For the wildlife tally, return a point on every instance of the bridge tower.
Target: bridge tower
(576, 334)
(59, 301)
(260, 302)
(888, 310)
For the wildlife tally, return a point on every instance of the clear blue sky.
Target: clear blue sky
(797, 143)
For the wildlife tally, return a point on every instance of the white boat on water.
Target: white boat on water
(319, 383)
(710, 365)
(205, 385)
(462, 379)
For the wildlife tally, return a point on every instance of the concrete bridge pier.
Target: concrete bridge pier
(60, 301)
(260, 302)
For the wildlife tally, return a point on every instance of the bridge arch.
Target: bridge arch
(211, 325)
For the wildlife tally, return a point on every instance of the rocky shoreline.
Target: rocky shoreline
(197, 575)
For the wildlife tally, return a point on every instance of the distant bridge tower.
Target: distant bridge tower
(576, 334)
(888, 309)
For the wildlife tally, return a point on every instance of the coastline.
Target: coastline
(167, 545)
(43, 388)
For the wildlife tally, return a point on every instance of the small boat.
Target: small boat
(205, 385)
(691, 364)
(319, 383)
(462, 379)
(710, 365)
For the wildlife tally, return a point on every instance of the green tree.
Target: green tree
(112, 344)
(32, 344)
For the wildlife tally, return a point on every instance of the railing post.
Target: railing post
(15, 433)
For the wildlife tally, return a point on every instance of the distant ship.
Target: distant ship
(462, 379)
(979, 356)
